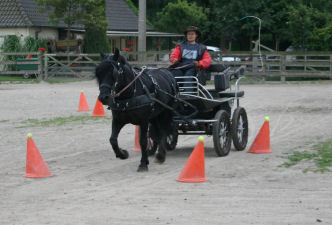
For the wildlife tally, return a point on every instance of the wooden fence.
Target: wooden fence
(283, 64)
(21, 63)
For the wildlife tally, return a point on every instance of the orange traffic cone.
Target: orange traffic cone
(83, 104)
(262, 140)
(35, 165)
(194, 169)
(98, 110)
(29, 56)
(137, 146)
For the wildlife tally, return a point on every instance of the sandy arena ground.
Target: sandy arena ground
(90, 186)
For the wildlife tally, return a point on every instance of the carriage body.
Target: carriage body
(214, 112)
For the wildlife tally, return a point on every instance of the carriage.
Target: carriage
(209, 111)
(165, 106)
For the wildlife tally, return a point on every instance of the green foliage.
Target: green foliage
(57, 80)
(31, 44)
(59, 121)
(135, 8)
(95, 39)
(132, 6)
(303, 21)
(17, 79)
(70, 11)
(176, 17)
(11, 44)
(322, 157)
(322, 39)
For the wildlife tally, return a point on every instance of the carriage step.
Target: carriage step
(230, 94)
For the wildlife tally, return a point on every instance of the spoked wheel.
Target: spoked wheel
(222, 133)
(240, 128)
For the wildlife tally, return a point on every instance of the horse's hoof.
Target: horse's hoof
(124, 154)
(142, 168)
(160, 158)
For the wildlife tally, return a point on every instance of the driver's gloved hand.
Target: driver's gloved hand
(175, 62)
(196, 64)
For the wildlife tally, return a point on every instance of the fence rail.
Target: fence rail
(283, 64)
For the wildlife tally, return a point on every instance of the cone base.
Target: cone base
(30, 175)
(98, 115)
(193, 180)
(83, 110)
(137, 149)
(260, 151)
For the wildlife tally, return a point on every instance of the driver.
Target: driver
(190, 55)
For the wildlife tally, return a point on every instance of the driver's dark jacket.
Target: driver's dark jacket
(203, 57)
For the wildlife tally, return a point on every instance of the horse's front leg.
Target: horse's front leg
(143, 142)
(119, 153)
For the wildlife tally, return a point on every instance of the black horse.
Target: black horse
(142, 100)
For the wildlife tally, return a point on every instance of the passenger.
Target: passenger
(190, 56)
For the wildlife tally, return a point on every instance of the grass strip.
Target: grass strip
(18, 79)
(56, 80)
(321, 155)
(59, 121)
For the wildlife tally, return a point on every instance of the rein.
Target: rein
(140, 73)
(129, 84)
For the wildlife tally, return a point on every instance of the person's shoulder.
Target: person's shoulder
(181, 43)
(202, 46)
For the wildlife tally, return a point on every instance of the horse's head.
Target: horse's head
(113, 73)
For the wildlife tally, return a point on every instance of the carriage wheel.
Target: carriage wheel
(240, 128)
(222, 133)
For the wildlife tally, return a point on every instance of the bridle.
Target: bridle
(120, 72)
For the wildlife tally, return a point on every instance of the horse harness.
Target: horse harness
(147, 99)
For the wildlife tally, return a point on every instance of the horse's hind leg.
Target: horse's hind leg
(119, 153)
(161, 154)
(143, 142)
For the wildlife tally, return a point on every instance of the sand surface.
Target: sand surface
(90, 186)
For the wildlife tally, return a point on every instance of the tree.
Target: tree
(95, 23)
(304, 22)
(70, 11)
(275, 16)
(176, 17)
(228, 15)
(323, 38)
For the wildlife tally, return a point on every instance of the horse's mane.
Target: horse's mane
(102, 69)
(108, 61)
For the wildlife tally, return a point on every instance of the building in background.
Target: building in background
(22, 18)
